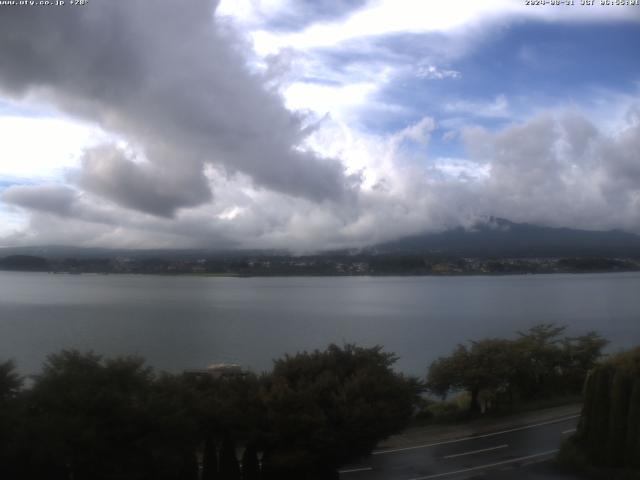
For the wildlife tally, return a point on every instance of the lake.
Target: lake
(189, 322)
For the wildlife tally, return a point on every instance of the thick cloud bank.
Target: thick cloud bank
(557, 168)
(171, 81)
(203, 152)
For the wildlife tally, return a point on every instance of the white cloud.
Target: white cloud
(214, 159)
(337, 100)
(43, 148)
(383, 17)
(251, 11)
(432, 72)
(463, 170)
(557, 168)
(173, 83)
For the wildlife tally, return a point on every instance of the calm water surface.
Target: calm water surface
(185, 322)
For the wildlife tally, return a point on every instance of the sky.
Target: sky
(313, 124)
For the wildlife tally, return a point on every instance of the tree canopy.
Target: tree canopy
(537, 363)
(328, 407)
(92, 418)
(609, 428)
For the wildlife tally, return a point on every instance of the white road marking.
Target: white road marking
(476, 451)
(464, 439)
(353, 470)
(489, 465)
(571, 430)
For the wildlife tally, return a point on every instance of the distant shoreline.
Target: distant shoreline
(327, 275)
(407, 264)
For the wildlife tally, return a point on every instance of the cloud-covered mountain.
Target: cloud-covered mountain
(312, 125)
(492, 237)
(502, 238)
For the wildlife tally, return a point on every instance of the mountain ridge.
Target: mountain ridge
(496, 237)
(501, 237)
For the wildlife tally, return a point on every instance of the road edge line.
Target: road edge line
(474, 437)
(487, 466)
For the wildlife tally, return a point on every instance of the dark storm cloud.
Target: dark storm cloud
(108, 172)
(47, 198)
(172, 81)
(57, 202)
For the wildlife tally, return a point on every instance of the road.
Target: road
(466, 457)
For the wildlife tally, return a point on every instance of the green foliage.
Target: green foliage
(599, 429)
(90, 418)
(609, 426)
(329, 407)
(229, 467)
(10, 381)
(580, 354)
(250, 463)
(588, 406)
(10, 389)
(487, 366)
(210, 460)
(535, 365)
(446, 411)
(618, 413)
(541, 359)
(572, 456)
(229, 405)
(632, 447)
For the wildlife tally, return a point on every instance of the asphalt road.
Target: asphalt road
(508, 449)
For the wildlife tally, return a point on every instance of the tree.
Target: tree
(447, 373)
(10, 381)
(229, 406)
(250, 463)
(580, 354)
(621, 386)
(540, 360)
(109, 419)
(210, 459)
(535, 364)
(229, 467)
(608, 430)
(173, 433)
(488, 365)
(91, 413)
(632, 447)
(326, 408)
(10, 409)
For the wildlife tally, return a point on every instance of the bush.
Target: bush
(572, 457)
(608, 428)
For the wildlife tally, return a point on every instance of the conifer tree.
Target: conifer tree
(250, 464)
(229, 468)
(632, 440)
(618, 415)
(210, 460)
(599, 421)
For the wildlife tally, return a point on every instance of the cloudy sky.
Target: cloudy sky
(310, 124)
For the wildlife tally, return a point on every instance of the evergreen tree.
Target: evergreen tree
(632, 440)
(599, 428)
(189, 470)
(586, 416)
(250, 464)
(229, 468)
(609, 428)
(210, 460)
(618, 416)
